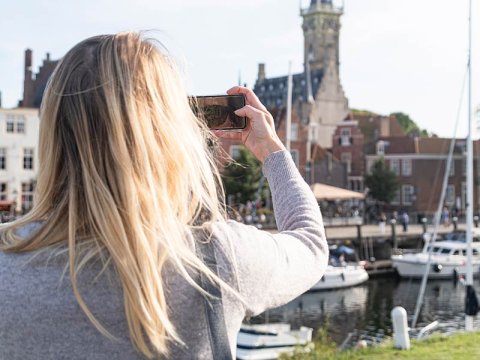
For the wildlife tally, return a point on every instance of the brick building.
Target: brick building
(420, 166)
(354, 136)
(34, 84)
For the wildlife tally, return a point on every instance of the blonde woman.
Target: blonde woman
(106, 265)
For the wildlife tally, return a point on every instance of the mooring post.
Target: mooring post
(424, 225)
(401, 338)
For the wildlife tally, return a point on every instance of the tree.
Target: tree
(382, 182)
(241, 178)
(408, 125)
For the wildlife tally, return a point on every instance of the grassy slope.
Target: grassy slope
(463, 346)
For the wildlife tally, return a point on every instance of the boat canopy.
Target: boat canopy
(327, 192)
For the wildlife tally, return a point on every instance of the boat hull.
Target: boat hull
(341, 277)
(414, 267)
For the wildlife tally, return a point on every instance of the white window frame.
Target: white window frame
(381, 147)
(345, 135)
(3, 158)
(407, 195)
(346, 158)
(20, 125)
(28, 189)
(28, 158)
(406, 167)
(395, 166)
(3, 190)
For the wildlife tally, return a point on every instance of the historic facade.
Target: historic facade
(19, 129)
(317, 94)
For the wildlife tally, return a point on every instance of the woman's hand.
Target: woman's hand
(259, 136)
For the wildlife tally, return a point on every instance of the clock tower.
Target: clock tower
(321, 30)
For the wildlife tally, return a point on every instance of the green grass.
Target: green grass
(461, 346)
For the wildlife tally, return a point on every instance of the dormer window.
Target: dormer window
(345, 137)
(381, 148)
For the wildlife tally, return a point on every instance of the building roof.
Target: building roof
(421, 145)
(272, 92)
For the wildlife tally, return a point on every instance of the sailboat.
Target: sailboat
(471, 301)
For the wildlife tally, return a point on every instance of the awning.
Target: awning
(6, 204)
(327, 192)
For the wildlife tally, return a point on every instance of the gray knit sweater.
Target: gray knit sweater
(40, 317)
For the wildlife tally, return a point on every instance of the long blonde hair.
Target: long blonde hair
(124, 168)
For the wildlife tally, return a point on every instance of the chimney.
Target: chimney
(261, 72)
(28, 64)
(48, 56)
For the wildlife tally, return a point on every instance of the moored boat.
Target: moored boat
(337, 277)
(268, 341)
(448, 259)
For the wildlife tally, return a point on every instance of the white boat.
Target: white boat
(268, 341)
(448, 259)
(337, 277)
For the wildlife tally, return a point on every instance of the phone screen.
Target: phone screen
(218, 111)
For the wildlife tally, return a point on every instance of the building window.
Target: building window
(21, 125)
(295, 157)
(450, 195)
(407, 194)
(345, 135)
(381, 148)
(294, 132)
(395, 166)
(3, 191)
(27, 195)
(396, 198)
(10, 126)
(3, 158)
(346, 158)
(452, 168)
(15, 124)
(235, 151)
(28, 159)
(407, 167)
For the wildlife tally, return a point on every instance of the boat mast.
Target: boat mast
(471, 304)
(288, 122)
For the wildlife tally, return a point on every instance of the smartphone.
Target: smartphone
(218, 111)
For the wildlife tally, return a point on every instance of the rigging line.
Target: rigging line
(439, 208)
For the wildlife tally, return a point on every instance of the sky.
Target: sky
(396, 55)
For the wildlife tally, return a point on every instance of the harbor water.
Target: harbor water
(363, 312)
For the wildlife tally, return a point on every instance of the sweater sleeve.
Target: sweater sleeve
(272, 269)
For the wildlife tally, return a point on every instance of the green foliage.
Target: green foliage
(382, 182)
(408, 125)
(241, 178)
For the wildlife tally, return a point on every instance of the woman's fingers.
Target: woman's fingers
(249, 111)
(252, 99)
